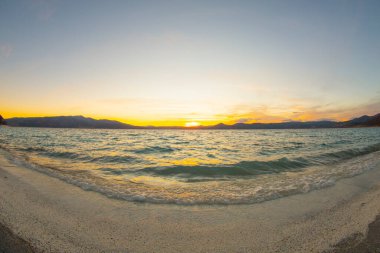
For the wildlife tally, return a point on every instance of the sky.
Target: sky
(178, 62)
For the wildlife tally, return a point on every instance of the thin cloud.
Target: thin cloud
(299, 112)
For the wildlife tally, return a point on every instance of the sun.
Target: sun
(192, 124)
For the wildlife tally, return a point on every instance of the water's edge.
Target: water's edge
(367, 160)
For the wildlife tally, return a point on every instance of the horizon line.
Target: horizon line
(192, 126)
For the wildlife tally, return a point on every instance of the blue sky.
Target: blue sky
(172, 62)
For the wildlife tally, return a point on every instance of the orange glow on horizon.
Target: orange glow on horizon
(204, 120)
(192, 124)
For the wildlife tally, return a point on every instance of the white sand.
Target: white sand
(57, 217)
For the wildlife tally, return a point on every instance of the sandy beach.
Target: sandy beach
(43, 214)
(189, 126)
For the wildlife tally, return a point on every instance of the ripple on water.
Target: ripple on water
(196, 167)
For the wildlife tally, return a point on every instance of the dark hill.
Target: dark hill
(68, 122)
(283, 125)
(363, 121)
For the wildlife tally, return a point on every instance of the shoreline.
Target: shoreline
(51, 215)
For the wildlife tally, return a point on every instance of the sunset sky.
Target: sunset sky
(175, 62)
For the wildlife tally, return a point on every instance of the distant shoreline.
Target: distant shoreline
(90, 123)
(190, 128)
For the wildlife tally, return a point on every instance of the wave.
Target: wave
(223, 193)
(345, 154)
(154, 149)
(200, 192)
(33, 149)
(115, 159)
(187, 167)
(207, 172)
(63, 154)
(250, 168)
(245, 168)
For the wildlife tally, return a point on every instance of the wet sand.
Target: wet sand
(52, 216)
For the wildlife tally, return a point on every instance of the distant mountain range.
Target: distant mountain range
(67, 122)
(83, 122)
(363, 121)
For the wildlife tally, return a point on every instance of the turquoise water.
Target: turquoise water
(195, 166)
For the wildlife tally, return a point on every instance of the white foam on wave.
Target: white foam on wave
(239, 191)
